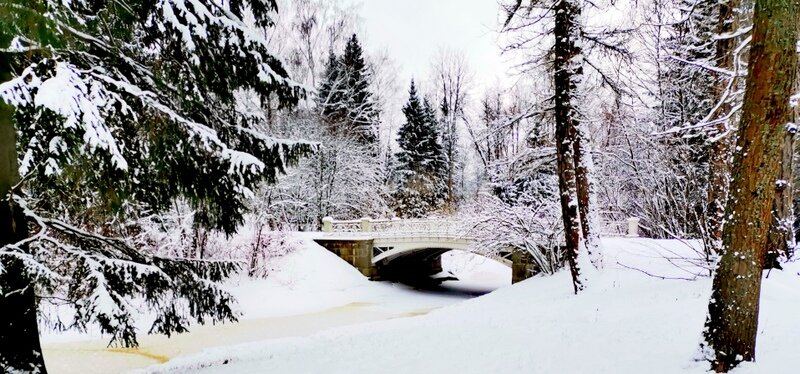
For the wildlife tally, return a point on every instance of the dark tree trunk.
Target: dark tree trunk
(582, 180)
(567, 72)
(584, 191)
(19, 333)
(451, 197)
(256, 248)
(733, 310)
(720, 151)
(199, 243)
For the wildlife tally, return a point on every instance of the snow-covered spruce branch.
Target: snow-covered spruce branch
(98, 277)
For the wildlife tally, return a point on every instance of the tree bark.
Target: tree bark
(568, 71)
(19, 333)
(582, 184)
(781, 245)
(720, 151)
(584, 189)
(781, 239)
(733, 309)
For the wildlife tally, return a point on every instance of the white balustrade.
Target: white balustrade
(392, 228)
(386, 228)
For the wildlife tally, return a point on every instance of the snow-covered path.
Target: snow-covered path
(312, 291)
(626, 322)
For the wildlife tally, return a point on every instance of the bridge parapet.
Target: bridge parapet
(393, 228)
(433, 227)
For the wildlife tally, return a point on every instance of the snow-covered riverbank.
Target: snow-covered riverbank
(626, 322)
(312, 290)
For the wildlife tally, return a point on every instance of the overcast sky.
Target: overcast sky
(413, 31)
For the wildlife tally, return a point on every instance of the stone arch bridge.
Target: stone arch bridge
(400, 248)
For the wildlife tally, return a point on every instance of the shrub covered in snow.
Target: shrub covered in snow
(267, 246)
(499, 226)
(174, 234)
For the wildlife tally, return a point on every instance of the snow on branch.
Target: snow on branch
(74, 94)
(99, 277)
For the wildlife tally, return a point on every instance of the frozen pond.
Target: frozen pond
(94, 357)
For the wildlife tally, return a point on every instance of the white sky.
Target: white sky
(413, 31)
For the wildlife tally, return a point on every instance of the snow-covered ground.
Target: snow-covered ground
(311, 290)
(630, 320)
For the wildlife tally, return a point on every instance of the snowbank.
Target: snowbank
(314, 279)
(305, 281)
(626, 322)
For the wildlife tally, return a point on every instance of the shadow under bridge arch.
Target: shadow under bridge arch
(414, 261)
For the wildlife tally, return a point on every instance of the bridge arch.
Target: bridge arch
(387, 251)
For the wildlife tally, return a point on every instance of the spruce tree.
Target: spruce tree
(345, 98)
(330, 95)
(688, 89)
(420, 167)
(108, 110)
(362, 111)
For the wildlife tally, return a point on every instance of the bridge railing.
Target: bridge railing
(443, 227)
(397, 227)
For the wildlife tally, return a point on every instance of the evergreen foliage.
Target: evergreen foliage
(419, 185)
(687, 96)
(122, 107)
(344, 95)
(688, 88)
(330, 95)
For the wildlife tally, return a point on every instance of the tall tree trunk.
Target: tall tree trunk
(451, 199)
(568, 71)
(720, 151)
(19, 333)
(582, 162)
(733, 310)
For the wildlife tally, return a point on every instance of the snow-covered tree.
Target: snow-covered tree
(555, 34)
(419, 186)
(344, 95)
(453, 80)
(111, 109)
(517, 208)
(344, 178)
(520, 209)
